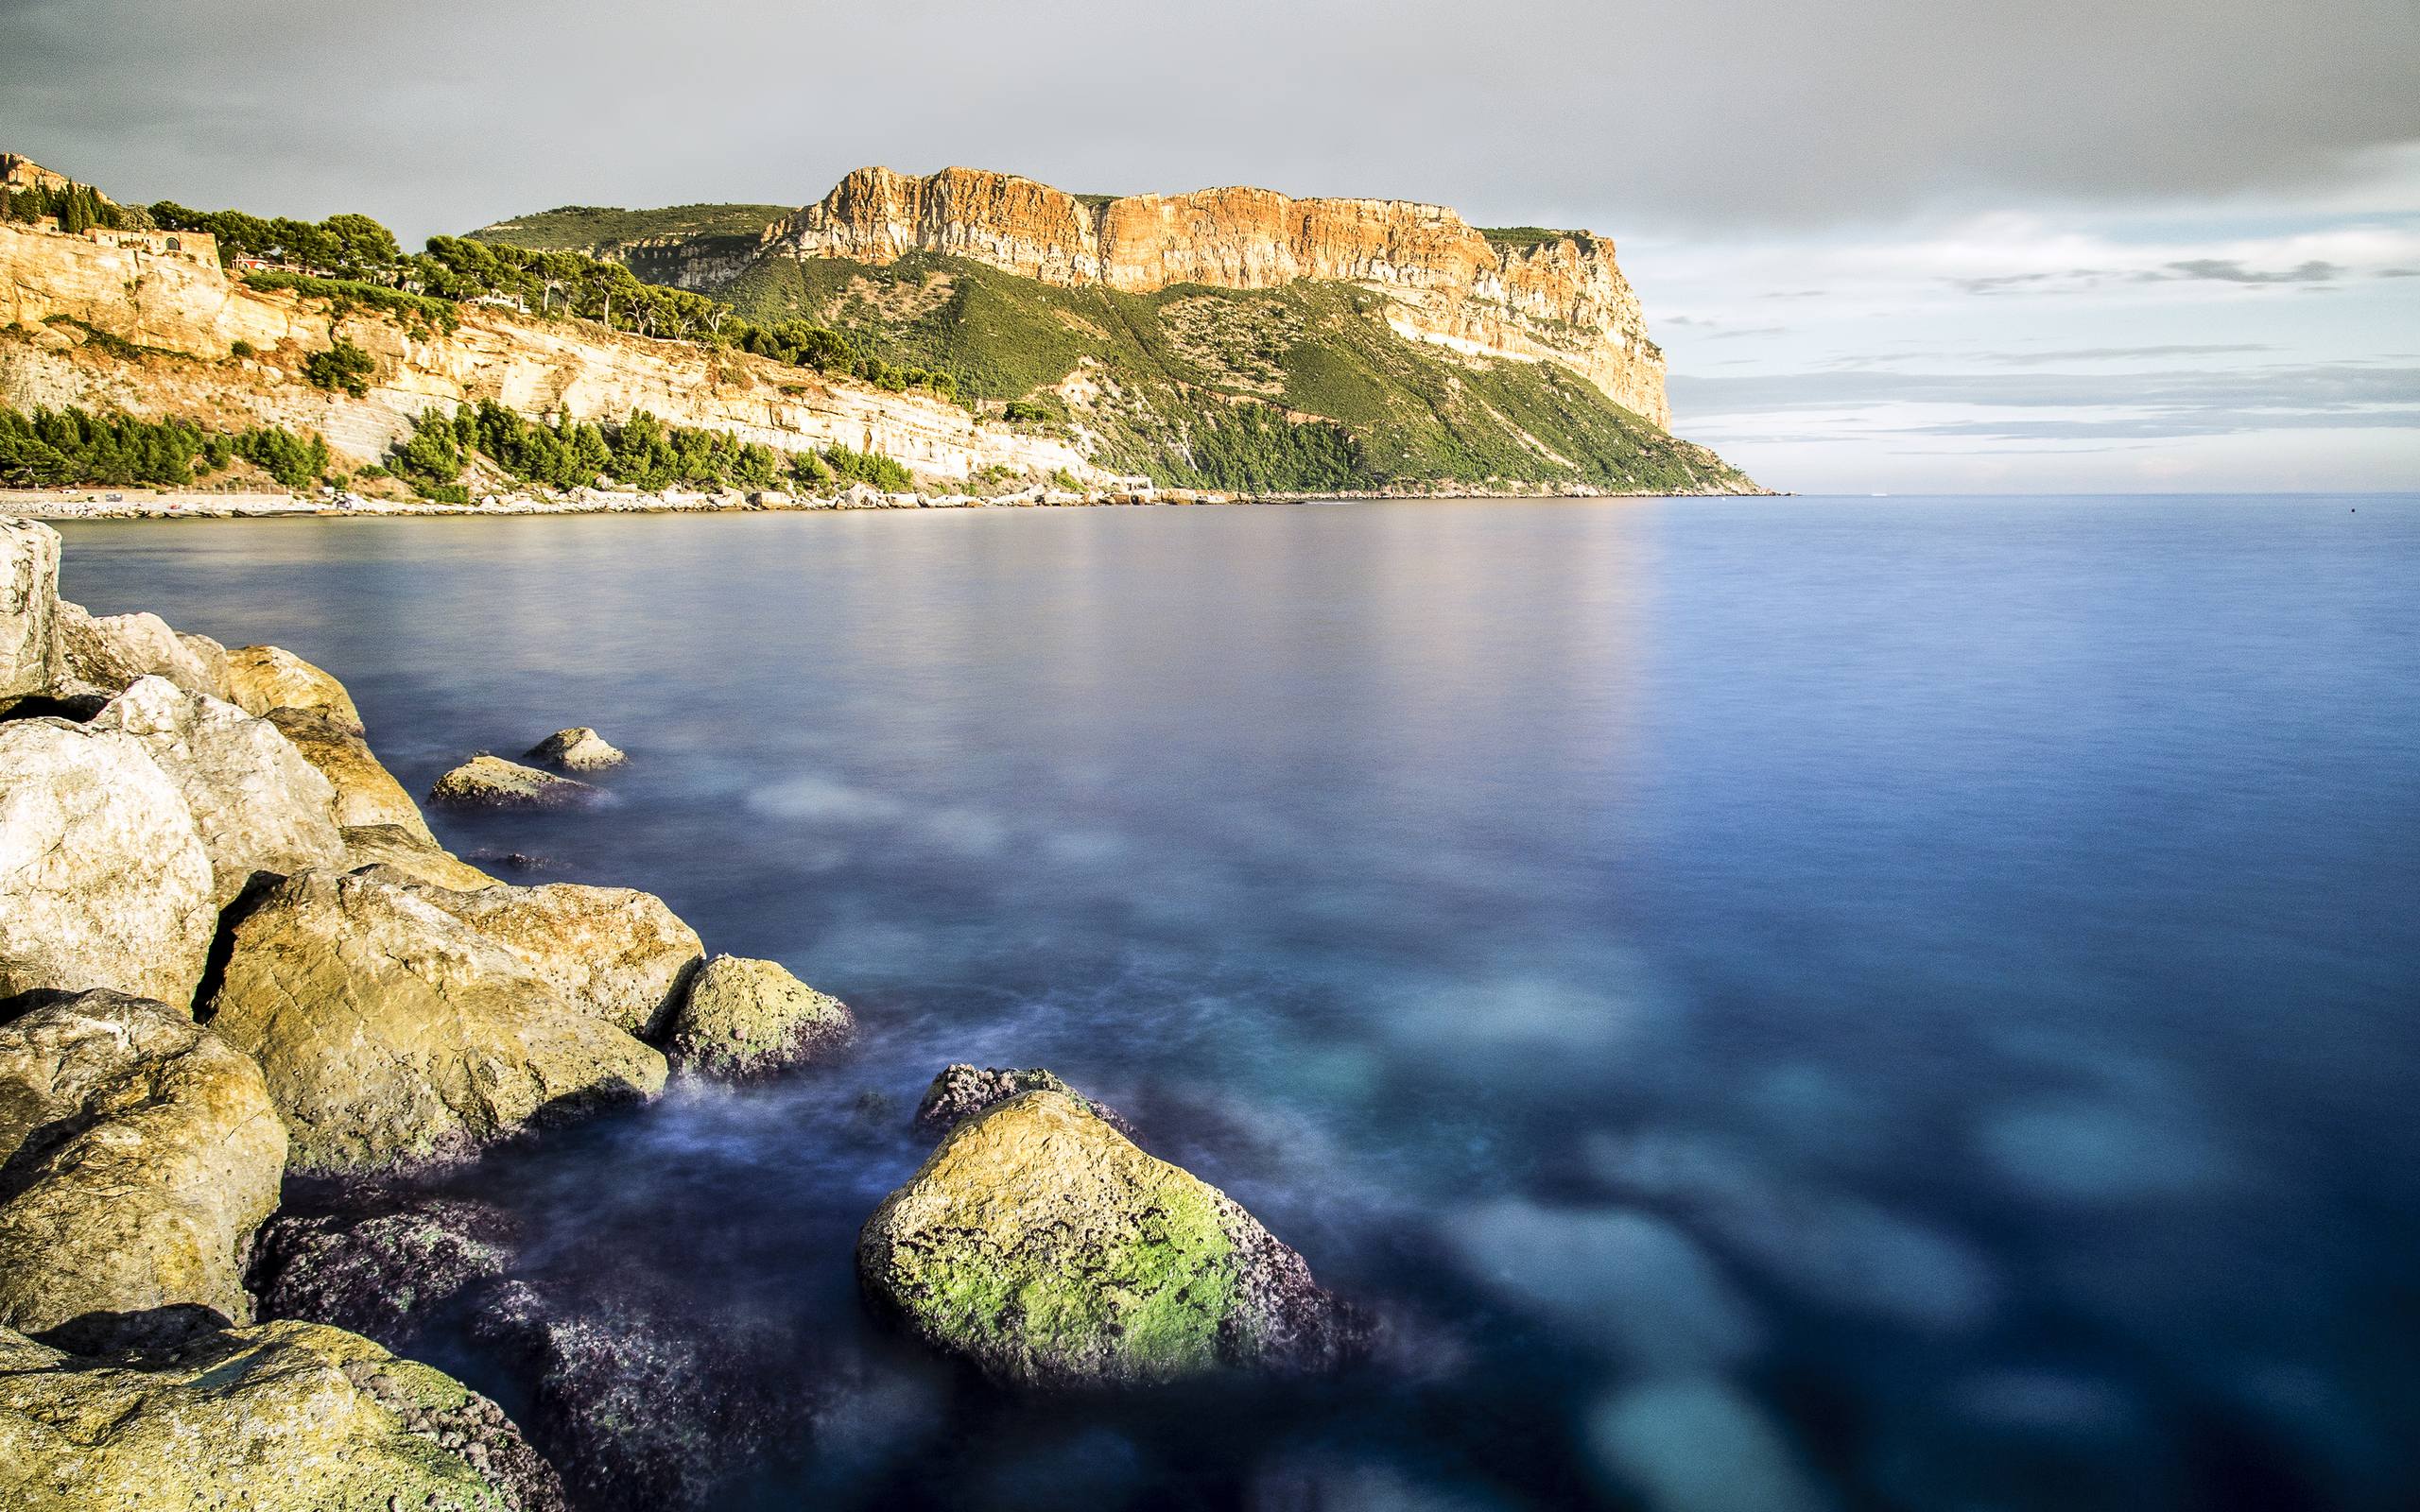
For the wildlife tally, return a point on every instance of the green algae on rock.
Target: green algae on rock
(282, 1417)
(1041, 1246)
(745, 1018)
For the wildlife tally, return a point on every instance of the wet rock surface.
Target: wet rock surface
(961, 1090)
(1039, 1245)
(493, 782)
(744, 1018)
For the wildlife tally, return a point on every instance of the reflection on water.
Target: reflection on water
(1786, 1004)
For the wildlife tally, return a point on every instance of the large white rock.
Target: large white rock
(106, 653)
(28, 608)
(103, 878)
(260, 806)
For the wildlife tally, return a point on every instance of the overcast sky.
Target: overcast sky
(1890, 245)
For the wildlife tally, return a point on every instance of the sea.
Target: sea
(1776, 1005)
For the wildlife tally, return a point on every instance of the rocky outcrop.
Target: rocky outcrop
(393, 1033)
(104, 880)
(412, 854)
(365, 792)
(961, 1091)
(576, 749)
(491, 782)
(107, 653)
(264, 678)
(1554, 296)
(384, 1271)
(281, 1418)
(138, 1152)
(1039, 1245)
(259, 805)
(28, 609)
(191, 309)
(745, 1018)
(616, 954)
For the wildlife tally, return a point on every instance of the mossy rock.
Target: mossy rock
(1041, 1245)
(748, 1018)
(491, 782)
(283, 1417)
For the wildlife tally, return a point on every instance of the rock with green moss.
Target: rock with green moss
(745, 1018)
(282, 1417)
(486, 782)
(1041, 1245)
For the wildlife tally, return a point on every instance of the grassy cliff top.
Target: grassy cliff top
(579, 228)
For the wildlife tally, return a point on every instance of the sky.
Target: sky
(1887, 245)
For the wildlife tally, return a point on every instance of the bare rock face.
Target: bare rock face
(108, 652)
(1039, 1245)
(262, 678)
(258, 804)
(394, 1035)
(366, 792)
(28, 609)
(413, 854)
(104, 880)
(576, 749)
(745, 1018)
(138, 1152)
(281, 1418)
(493, 782)
(1558, 296)
(961, 1090)
(615, 953)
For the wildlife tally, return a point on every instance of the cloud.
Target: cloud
(2228, 270)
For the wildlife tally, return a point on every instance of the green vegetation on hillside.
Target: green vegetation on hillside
(587, 228)
(71, 448)
(1525, 237)
(640, 453)
(1300, 389)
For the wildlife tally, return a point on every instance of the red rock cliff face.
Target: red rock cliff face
(1561, 300)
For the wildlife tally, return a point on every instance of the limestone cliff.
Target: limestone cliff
(1555, 296)
(152, 333)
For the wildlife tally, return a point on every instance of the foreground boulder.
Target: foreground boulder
(745, 1018)
(493, 782)
(282, 1417)
(265, 678)
(139, 1152)
(28, 609)
(258, 804)
(103, 878)
(962, 1090)
(1039, 1245)
(366, 793)
(107, 653)
(576, 749)
(615, 952)
(394, 1035)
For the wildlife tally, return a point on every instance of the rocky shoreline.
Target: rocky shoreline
(247, 997)
(140, 504)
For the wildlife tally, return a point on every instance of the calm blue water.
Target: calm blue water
(1786, 1004)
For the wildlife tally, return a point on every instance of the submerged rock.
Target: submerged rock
(961, 1090)
(493, 782)
(744, 1018)
(103, 878)
(1039, 1245)
(366, 792)
(576, 749)
(615, 952)
(282, 1417)
(28, 609)
(258, 804)
(138, 1152)
(394, 1034)
(381, 1272)
(110, 652)
(265, 678)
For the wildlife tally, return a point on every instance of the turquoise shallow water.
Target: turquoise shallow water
(1785, 1003)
